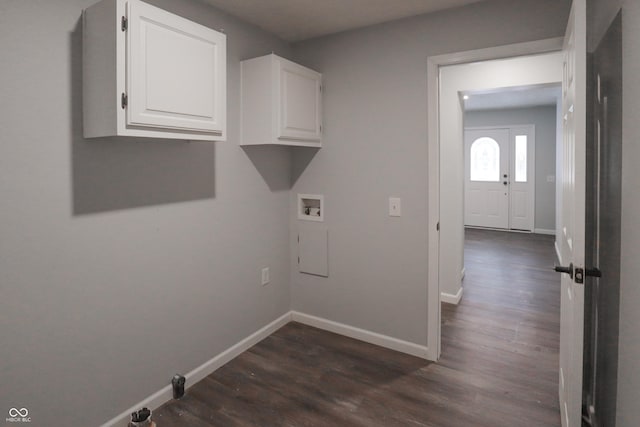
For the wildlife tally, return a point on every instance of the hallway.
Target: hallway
(504, 334)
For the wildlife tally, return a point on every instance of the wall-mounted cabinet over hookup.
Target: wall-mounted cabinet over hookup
(311, 207)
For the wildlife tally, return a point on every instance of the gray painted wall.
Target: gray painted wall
(123, 261)
(629, 352)
(375, 146)
(601, 14)
(544, 119)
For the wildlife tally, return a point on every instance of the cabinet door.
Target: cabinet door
(300, 102)
(175, 72)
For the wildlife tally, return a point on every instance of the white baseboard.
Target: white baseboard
(166, 393)
(555, 244)
(361, 334)
(451, 298)
(545, 231)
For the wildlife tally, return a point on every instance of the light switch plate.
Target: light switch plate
(394, 206)
(265, 276)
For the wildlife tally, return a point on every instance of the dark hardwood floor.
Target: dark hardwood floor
(499, 364)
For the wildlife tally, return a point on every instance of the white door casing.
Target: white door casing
(572, 238)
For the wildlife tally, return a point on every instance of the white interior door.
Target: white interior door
(571, 240)
(486, 178)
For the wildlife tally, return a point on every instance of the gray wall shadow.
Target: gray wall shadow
(301, 157)
(275, 163)
(120, 172)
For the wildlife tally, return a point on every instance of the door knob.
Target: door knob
(568, 270)
(504, 182)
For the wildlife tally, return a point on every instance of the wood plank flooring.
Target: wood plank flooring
(499, 364)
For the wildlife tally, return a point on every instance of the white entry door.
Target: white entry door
(571, 239)
(499, 177)
(486, 178)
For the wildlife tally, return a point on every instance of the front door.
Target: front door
(486, 178)
(572, 236)
(499, 177)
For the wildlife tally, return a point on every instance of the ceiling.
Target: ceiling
(296, 20)
(519, 97)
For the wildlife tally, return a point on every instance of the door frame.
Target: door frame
(531, 166)
(434, 185)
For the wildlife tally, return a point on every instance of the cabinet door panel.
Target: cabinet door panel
(176, 70)
(300, 103)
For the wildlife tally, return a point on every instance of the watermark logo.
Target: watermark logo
(18, 415)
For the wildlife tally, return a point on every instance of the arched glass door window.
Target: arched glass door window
(484, 159)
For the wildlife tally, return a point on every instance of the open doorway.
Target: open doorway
(510, 313)
(446, 227)
(485, 333)
(508, 321)
(510, 146)
(455, 81)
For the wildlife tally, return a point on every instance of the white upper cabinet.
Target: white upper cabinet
(150, 73)
(281, 103)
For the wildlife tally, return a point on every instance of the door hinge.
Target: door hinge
(298, 238)
(124, 100)
(578, 275)
(124, 23)
(438, 226)
(298, 260)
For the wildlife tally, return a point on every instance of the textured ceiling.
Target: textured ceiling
(296, 20)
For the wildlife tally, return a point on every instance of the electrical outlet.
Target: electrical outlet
(265, 276)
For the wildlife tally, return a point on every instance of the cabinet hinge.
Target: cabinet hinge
(124, 100)
(124, 23)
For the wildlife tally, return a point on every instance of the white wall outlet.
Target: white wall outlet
(265, 276)
(394, 206)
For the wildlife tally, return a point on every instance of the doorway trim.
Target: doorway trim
(433, 141)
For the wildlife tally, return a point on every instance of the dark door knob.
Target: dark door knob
(504, 182)
(568, 270)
